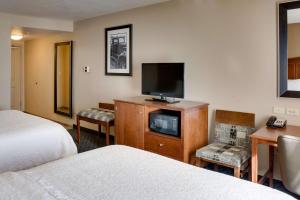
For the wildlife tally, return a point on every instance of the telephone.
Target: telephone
(273, 122)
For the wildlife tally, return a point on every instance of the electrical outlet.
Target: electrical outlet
(279, 110)
(86, 69)
(292, 111)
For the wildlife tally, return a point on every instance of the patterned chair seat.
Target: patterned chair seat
(98, 114)
(224, 153)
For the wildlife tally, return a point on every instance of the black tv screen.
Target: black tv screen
(163, 79)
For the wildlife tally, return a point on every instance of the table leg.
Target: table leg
(107, 134)
(271, 165)
(78, 130)
(254, 165)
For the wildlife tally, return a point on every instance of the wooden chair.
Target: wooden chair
(234, 126)
(104, 116)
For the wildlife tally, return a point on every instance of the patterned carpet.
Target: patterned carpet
(91, 140)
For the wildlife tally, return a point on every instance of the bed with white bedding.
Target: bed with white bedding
(27, 141)
(119, 172)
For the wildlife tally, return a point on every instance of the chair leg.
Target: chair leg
(99, 129)
(107, 134)
(237, 172)
(216, 167)
(193, 160)
(78, 130)
(249, 171)
(198, 162)
(271, 167)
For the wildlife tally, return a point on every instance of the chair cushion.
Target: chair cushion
(224, 153)
(98, 114)
(233, 134)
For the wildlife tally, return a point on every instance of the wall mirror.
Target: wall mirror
(63, 78)
(289, 49)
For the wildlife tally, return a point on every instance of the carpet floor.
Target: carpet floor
(91, 140)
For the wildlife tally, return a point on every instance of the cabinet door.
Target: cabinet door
(297, 76)
(129, 124)
(291, 71)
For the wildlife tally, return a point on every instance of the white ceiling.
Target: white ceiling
(293, 16)
(70, 9)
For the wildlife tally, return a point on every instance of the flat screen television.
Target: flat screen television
(163, 79)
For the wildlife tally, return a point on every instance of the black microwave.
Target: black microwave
(165, 122)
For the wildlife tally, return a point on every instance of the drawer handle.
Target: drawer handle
(161, 145)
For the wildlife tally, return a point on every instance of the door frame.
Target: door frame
(22, 85)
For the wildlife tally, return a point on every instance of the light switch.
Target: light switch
(279, 110)
(292, 111)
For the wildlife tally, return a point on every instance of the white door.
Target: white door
(16, 78)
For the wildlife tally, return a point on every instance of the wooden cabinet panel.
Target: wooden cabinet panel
(293, 68)
(132, 127)
(291, 71)
(297, 71)
(196, 123)
(129, 124)
(170, 147)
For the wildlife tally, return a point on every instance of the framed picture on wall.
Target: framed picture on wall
(118, 50)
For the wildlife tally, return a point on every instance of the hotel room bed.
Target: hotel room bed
(119, 172)
(27, 141)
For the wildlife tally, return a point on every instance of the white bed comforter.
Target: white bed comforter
(119, 172)
(27, 141)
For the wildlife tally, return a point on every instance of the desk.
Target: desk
(269, 137)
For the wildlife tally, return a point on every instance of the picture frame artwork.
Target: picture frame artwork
(118, 50)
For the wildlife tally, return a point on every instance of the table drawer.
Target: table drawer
(163, 145)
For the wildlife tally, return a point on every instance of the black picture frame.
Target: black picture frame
(283, 49)
(70, 113)
(114, 65)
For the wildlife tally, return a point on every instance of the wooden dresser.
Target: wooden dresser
(132, 127)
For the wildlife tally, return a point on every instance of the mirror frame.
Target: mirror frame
(70, 113)
(283, 49)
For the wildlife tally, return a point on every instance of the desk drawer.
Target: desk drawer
(163, 145)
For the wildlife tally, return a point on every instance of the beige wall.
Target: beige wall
(39, 76)
(229, 48)
(5, 69)
(293, 40)
(7, 21)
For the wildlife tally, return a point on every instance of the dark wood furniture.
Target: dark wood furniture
(294, 68)
(132, 127)
(107, 125)
(229, 117)
(268, 136)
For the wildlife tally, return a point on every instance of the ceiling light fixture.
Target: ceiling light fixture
(16, 37)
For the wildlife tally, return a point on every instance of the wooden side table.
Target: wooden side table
(268, 136)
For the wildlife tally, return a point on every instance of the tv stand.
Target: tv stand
(132, 127)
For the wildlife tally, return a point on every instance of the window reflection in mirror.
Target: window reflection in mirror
(293, 18)
(288, 51)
